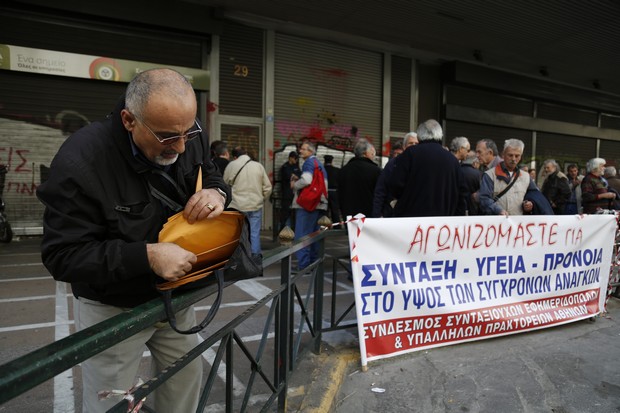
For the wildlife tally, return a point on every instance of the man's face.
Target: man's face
(512, 156)
(461, 154)
(304, 151)
(599, 171)
(572, 172)
(292, 160)
(484, 154)
(371, 153)
(411, 141)
(161, 118)
(550, 168)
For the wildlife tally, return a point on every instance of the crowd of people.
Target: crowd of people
(425, 178)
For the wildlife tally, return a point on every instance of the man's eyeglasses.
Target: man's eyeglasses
(170, 140)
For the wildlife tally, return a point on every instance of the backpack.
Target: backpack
(310, 196)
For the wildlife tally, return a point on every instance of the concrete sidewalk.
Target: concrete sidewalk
(574, 368)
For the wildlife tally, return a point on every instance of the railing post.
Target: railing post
(282, 333)
(318, 299)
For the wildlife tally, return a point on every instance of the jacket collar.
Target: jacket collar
(502, 173)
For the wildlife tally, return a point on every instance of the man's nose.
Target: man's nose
(179, 145)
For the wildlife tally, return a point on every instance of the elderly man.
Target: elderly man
(595, 192)
(555, 188)
(459, 147)
(102, 223)
(503, 188)
(487, 153)
(427, 180)
(357, 180)
(382, 200)
(611, 176)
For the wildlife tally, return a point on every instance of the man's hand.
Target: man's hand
(528, 206)
(206, 203)
(169, 261)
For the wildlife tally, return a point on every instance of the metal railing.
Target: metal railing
(30, 370)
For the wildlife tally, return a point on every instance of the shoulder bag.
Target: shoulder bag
(222, 246)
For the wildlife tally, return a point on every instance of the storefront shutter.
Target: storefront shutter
(326, 92)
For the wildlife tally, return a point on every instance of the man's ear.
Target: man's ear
(129, 121)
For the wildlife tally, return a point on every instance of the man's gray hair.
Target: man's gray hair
(153, 81)
(551, 162)
(406, 138)
(595, 163)
(609, 171)
(514, 144)
(361, 147)
(489, 144)
(458, 143)
(430, 131)
(311, 146)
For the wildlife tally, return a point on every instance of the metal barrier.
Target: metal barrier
(30, 370)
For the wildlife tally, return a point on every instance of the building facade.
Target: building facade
(267, 88)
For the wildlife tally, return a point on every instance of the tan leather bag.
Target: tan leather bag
(212, 240)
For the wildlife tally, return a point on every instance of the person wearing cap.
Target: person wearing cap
(333, 206)
(287, 170)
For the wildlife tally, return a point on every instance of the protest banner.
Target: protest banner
(429, 282)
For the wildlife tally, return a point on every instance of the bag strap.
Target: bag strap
(169, 202)
(237, 174)
(514, 179)
(167, 298)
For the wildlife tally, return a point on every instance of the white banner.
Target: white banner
(429, 282)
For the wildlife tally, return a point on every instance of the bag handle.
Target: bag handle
(167, 297)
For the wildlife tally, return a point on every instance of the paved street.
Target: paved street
(572, 368)
(37, 311)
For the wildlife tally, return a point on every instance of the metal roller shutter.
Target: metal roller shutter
(241, 71)
(38, 112)
(564, 149)
(400, 96)
(610, 151)
(326, 92)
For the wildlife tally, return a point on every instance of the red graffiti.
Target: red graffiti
(15, 156)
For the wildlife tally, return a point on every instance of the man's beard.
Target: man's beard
(160, 160)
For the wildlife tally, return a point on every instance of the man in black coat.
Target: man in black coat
(357, 180)
(555, 187)
(427, 179)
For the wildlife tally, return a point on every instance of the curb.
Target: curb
(326, 380)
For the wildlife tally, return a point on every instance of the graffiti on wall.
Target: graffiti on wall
(336, 135)
(27, 150)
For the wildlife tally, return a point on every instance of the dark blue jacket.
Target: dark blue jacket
(427, 181)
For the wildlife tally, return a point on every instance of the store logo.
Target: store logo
(104, 68)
